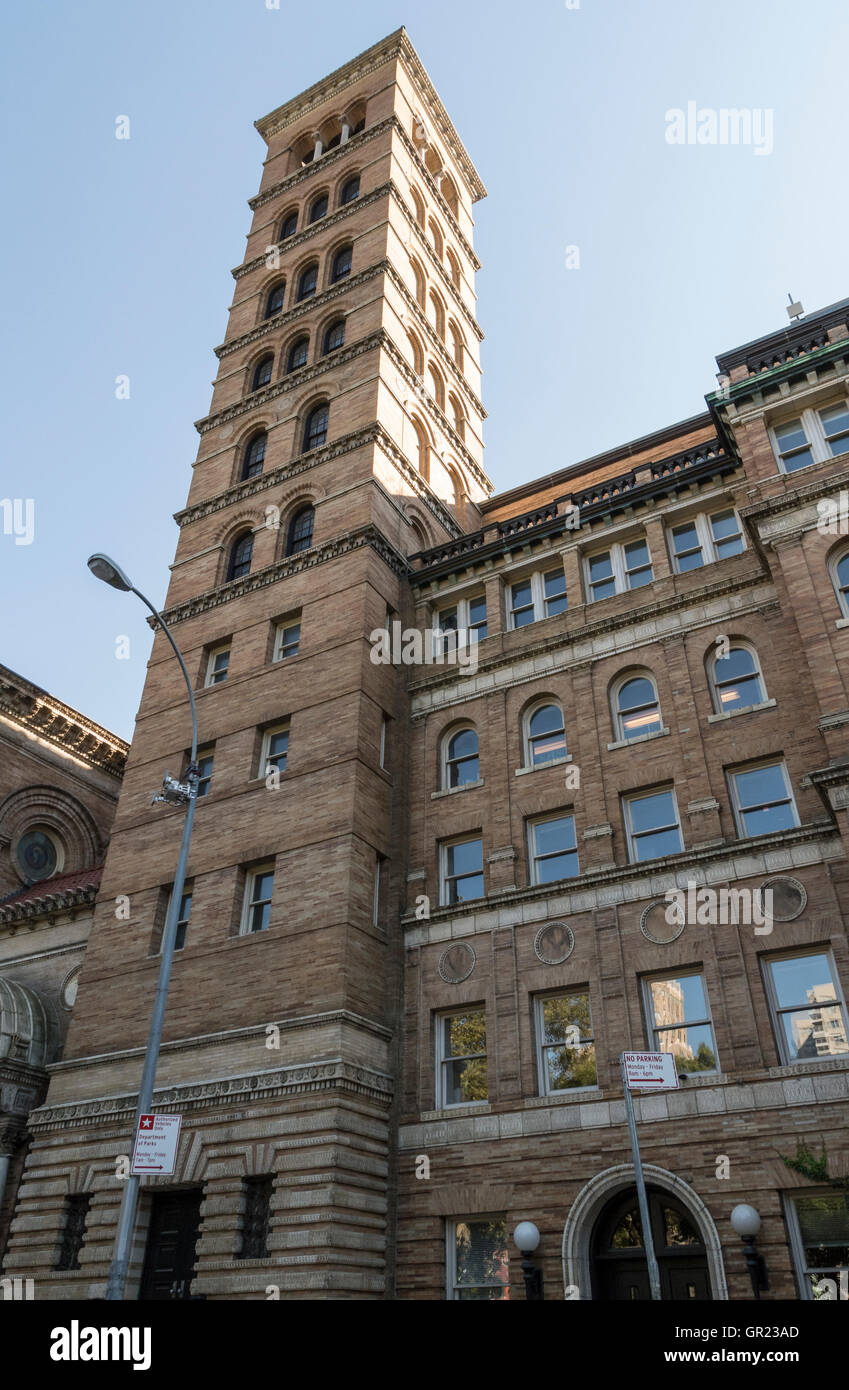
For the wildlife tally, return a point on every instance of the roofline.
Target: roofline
(735, 356)
(566, 475)
(396, 45)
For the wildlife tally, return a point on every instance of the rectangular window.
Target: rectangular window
(553, 849)
(763, 799)
(466, 615)
(541, 595)
(462, 871)
(461, 1058)
(256, 1217)
(679, 1020)
(217, 664)
(807, 1005)
(275, 749)
(652, 825)
(565, 1043)
(205, 760)
(287, 638)
(182, 917)
(477, 1259)
(705, 539)
(257, 905)
(793, 447)
(618, 569)
(835, 427)
(819, 1227)
(74, 1218)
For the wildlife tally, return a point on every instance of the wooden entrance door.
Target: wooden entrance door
(169, 1261)
(619, 1269)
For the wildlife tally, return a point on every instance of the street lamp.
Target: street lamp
(746, 1222)
(175, 793)
(526, 1240)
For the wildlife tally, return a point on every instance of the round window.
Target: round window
(38, 855)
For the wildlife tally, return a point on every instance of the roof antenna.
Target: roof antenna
(794, 308)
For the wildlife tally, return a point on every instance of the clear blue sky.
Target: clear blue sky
(118, 253)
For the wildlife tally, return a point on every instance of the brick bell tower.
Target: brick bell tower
(344, 435)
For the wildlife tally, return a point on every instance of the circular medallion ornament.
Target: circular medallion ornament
(37, 855)
(457, 963)
(662, 922)
(554, 943)
(788, 898)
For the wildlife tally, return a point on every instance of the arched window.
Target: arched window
(545, 735)
(460, 764)
(350, 191)
(307, 282)
(288, 226)
(456, 344)
(300, 530)
(458, 417)
(421, 456)
(637, 708)
(735, 678)
(240, 556)
(262, 371)
(418, 205)
(274, 302)
(453, 268)
(421, 291)
(437, 387)
(840, 580)
(449, 193)
(418, 355)
(435, 238)
(341, 264)
(315, 427)
(436, 313)
(334, 337)
(318, 208)
(298, 354)
(254, 455)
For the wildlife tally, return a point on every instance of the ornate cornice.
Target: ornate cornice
(49, 903)
(811, 491)
(395, 45)
(40, 713)
(282, 569)
(370, 434)
(333, 1074)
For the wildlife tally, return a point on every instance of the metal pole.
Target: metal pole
(126, 1218)
(648, 1239)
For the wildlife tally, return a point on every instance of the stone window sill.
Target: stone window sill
(540, 767)
(632, 742)
(452, 791)
(747, 709)
(842, 622)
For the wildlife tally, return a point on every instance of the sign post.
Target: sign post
(645, 1071)
(155, 1149)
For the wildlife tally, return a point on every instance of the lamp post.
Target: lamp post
(526, 1240)
(746, 1222)
(176, 793)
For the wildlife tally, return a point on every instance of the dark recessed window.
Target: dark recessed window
(37, 856)
(75, 1215)
(240, 556)
(262, 372)
(288, 226)
(335, 336)
(350, 191)
(255, 455)
(256, 1219)
(298, 354)
(308, 281)
(342, 263)
(315, 429)
(334, 141)
(300, 531)
(361, 125)
(274, 303)
(318, 209)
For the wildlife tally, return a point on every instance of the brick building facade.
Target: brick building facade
(429, 904)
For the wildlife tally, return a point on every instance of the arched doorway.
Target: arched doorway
(617, 1258)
